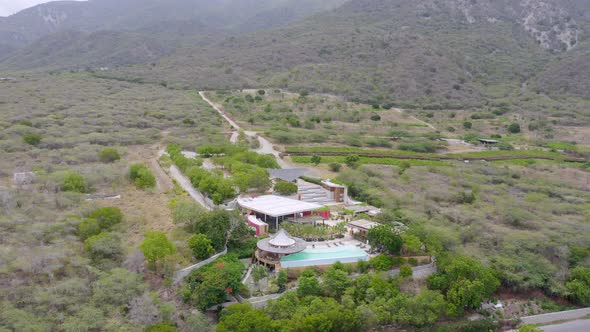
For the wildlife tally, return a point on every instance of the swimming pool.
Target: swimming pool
(324, 256)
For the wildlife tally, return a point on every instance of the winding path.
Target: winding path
(266, 147)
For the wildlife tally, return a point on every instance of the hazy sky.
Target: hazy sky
(9, 7)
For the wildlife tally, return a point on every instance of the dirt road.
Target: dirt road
(266, 147)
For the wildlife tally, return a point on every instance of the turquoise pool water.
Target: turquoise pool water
(324, 256)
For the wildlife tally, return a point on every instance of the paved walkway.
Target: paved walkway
(186, 184)
(557, 316)
(575, 326)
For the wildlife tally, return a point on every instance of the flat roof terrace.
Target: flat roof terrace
(277, 206)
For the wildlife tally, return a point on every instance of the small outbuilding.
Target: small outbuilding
(361, 227)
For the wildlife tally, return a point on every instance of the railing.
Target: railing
(265, 259)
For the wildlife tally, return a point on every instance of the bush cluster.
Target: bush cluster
(141, 176)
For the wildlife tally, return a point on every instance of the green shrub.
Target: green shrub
(362, 266)
(315, 159)
(382, 262)
(412, 261)
(285, 188)
(376, 117)
(579, 286)
(104, 246)
(424, 147)
(162, 327)
(335, 167)
(200, 246)
(467, 125)
(87, 228)
(32, 139)
(405, 271)
(141, 176)
(352, 160)
(109, 155)
(156, 246)
(74, 182)
(514, 128)
(107, 217)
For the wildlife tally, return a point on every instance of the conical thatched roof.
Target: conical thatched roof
(282, 243)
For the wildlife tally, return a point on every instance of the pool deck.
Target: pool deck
(347, 240)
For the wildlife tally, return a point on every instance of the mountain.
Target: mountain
(437, 53)
(22, 29)
(432, 53)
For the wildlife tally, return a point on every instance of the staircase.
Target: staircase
(313, 193)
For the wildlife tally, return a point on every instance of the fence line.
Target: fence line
(181, 274)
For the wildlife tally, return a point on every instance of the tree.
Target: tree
(465, 281)
(579, 286)
(242, 318)
(529, 328)
(335, 281)
(212, 283)
(352, 160)
(514, 128)
(282, 279)
(74, 182)
(335, 167)
(384, 236)
(201, 246)
(261, 92)
(412, 245)
(308, 286)
(109, 155)
(405, 271)
(285, 188)
(425, 308)
(156, 246)
(467, 125)
(258, 273)
(32, 139)
(107, 217)
(215, 225)
(315, 159)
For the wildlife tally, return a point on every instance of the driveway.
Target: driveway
(575, 326)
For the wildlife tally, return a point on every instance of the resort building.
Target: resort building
(269, 251)
(259, 226)
(273, 209)
(283, 251)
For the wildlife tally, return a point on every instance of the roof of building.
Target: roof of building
(287, 174)
(361, 208)
(332, 184)
(490, 141)
(363, 224)
(277, 206)
(282, 243)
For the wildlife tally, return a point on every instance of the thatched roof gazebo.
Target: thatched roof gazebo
(270, 250)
